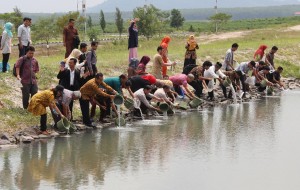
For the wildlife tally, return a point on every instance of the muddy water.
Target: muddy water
(253, 146)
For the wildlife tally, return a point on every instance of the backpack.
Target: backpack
(21, 67)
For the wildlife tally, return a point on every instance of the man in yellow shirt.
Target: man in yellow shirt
(88, 91)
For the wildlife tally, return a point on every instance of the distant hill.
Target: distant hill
(203, 13)
(129, 5)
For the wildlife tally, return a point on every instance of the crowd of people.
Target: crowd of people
(80, 77)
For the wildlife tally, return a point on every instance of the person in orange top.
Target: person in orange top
(260, 52)
(165, 44)
(190, 54)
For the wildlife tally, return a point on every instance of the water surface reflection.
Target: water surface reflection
(251, 146)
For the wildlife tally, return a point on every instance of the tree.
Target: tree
(151, 20)
(102, 21)
(90, 22)
(44, 29)
(93, 34)
(219, 19)
(119, 21)
(16, 17)
(63, 20)
(191, 29)
(176, 19)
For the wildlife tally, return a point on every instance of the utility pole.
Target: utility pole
(77, 5)
(216, 9)
(84, 14)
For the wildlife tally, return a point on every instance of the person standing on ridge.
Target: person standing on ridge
(70, 37)
(133, 39)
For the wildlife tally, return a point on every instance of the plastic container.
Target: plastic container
(72, 128)
(63, 125)
(128, 103)
(122, 121)
(163, 107)
(118, 100)
(227, 82)
(195, 102)
(183, 105)
(270, 91)
(263, 83)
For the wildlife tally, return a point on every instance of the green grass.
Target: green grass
(113, 60)
(246, 24)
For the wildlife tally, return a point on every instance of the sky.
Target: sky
(44, 6)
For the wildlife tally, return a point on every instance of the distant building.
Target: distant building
(297, 14)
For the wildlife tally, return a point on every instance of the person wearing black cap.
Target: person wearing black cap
(41, 100)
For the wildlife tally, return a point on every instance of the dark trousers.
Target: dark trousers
(197, 85)
(57, 118)
(5, 61)
(242, 79)
(43, 122)
(210, 94)
(27, 91)
(106, 102)
(85, 110)
(179, 90)
(260, 89)
(71, 103)
(224, 90)
(22, 51)
(230, 92)
(144, 110)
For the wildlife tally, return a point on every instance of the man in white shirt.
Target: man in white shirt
(24, 36)
(141, 97)
(229, 58)
(162, 94)
(213, 72)
(242, 71)
(64, 103)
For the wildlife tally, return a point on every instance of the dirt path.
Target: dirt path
(294, 28)
(222, 36)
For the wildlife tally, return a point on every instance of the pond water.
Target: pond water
(253, 146)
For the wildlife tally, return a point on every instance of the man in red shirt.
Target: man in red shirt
(70, 37)
(26, 69)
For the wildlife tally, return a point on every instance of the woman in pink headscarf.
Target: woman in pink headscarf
(259, 54)
(141, 69)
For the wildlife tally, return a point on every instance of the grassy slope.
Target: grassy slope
(113, 61)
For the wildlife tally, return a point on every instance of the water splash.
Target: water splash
(165, 114)
(233, 94)
(119, 115)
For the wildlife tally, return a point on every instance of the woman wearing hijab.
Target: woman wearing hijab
(43, 99)
(74, 54)
(165, 44)
(6, 44)
(190, 54)
(141, 69)
(259, 54)
(133, 39)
